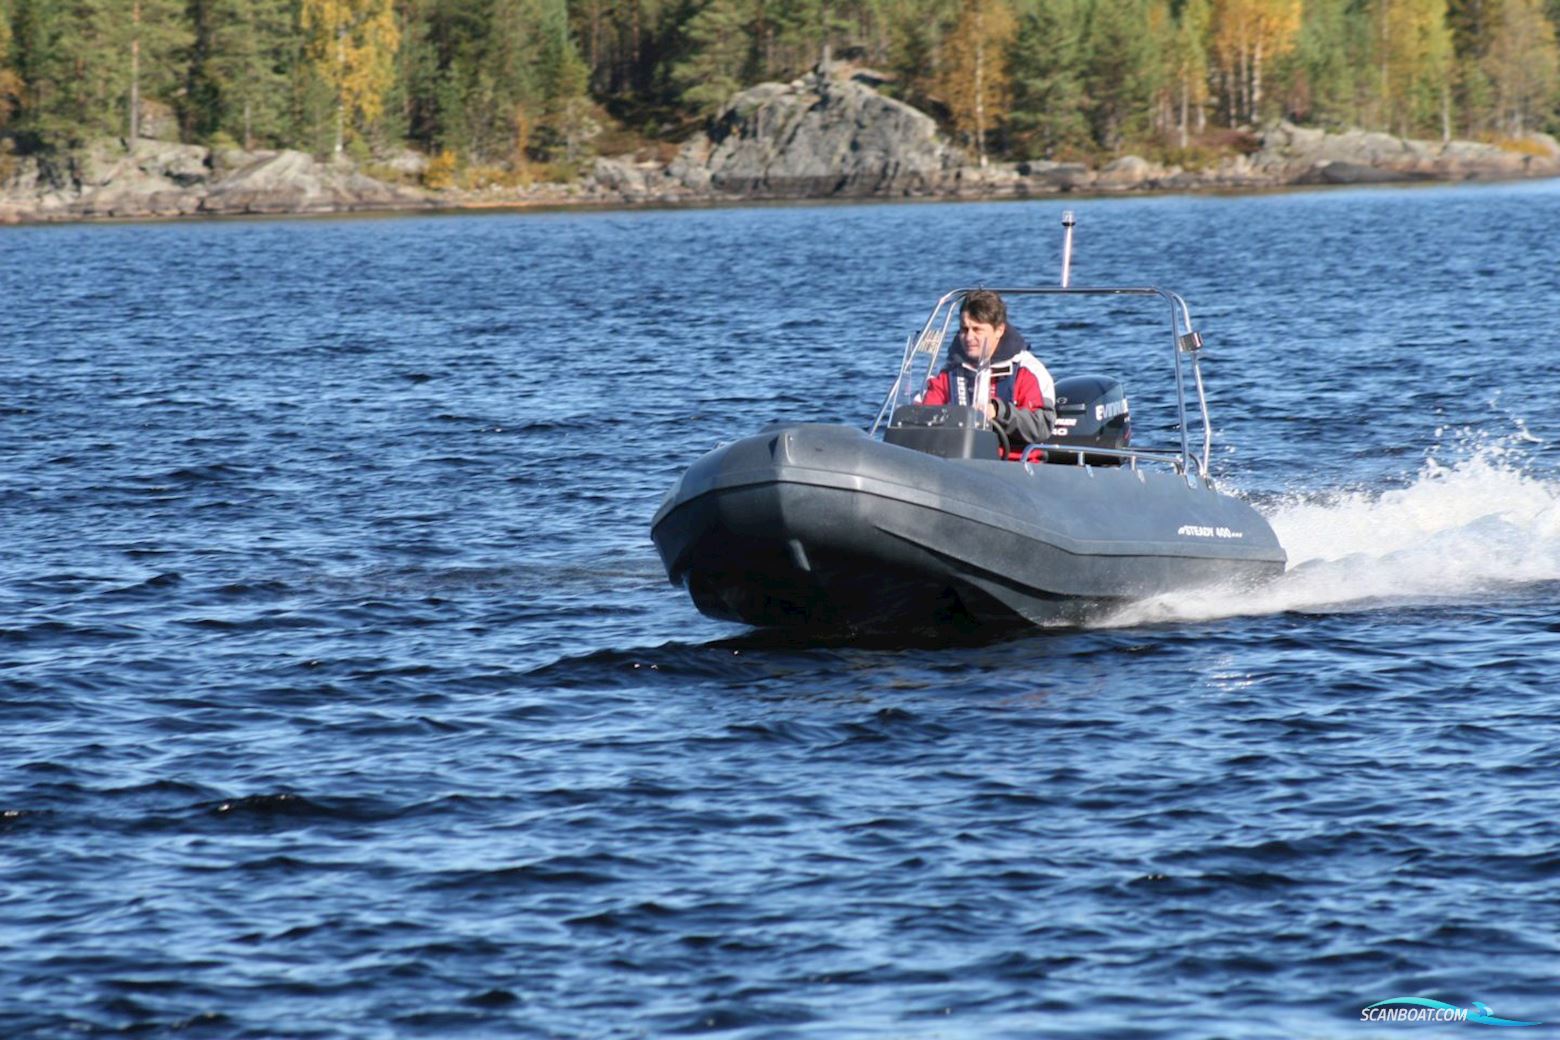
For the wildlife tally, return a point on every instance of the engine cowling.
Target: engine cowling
(1091, 411)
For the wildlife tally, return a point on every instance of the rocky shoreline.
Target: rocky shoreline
(828, 135)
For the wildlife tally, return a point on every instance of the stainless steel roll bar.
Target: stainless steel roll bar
(1185, 342)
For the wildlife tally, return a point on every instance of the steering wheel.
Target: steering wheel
(1002, 440)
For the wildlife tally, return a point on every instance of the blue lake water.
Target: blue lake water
(342, 694)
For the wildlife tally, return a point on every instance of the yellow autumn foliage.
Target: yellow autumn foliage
(1533, 146)
(440, 171)
(1247, 36)
(974, 80)
(1414, 49)
(353, 45)
(10, 82)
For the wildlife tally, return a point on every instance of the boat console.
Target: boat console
(947, 431)
(1091, 412)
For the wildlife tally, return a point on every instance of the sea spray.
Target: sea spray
(1455, 531)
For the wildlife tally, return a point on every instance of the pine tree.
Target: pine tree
(1120, 71)
(89, 67)
(410, 102)
(1187, 68)
(563, 79)
(795, 35)
(38, 63)
(239, 70)
(1331, 55)
(1180, 69)
(439, 73)
(633, 45)
(720, 51)
(915, 31)
(1049, 114)
(521, 54)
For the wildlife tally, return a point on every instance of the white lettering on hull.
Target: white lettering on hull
(1202, 531)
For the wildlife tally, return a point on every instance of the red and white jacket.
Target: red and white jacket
(1020, 385)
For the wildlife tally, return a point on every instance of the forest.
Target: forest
(543, 85)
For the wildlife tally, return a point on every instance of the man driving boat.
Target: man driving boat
(1022, 407)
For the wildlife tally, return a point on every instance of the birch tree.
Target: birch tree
(353, 45)
(1414, 55)
(1523, 67)
(1247, 36)
(10, 81)
(974, 80)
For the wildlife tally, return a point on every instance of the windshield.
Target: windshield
(924, 355)
(923, 359)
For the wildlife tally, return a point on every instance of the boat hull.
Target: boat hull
(821, 526)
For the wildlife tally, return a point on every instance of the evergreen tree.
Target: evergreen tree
(89, 67)
(720, 52)
(38, 63)
(415, 79)
(1472, 25)
(563, 79)
(240, 66)
(1330, 57)
(632, 46)
(157, 33)
(1049, 114)
(792, 36)
(1119, 71)
(437, 71)
(519, 59)
(97, 40)
(915, 36)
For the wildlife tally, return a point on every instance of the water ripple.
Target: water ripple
(347, 697)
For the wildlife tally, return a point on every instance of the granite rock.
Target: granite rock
(828, 134)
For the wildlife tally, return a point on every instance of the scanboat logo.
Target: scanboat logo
(1423, 1009)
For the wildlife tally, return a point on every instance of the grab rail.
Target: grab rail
(1168, 458)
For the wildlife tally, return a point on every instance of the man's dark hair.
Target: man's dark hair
(984, 306)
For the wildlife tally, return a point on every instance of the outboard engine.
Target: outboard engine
(1091, 411)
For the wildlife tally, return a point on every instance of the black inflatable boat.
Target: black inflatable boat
(824, 526)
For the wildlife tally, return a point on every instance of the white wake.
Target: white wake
(1454, 533)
